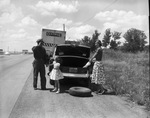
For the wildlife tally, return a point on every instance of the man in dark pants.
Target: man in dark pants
(39, 53)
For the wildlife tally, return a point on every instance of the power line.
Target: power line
(102, 9)
(71, 2)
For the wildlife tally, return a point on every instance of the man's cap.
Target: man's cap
(39, 40)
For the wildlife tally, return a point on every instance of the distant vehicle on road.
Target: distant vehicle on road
(7, 53)
(24, 51)
(1, 52)
(74, 57)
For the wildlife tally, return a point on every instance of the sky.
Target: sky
(21, 21)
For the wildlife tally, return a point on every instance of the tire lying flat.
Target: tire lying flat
(80, 91)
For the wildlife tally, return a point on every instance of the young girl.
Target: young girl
(56, 74)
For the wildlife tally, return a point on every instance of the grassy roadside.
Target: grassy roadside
(128, 74)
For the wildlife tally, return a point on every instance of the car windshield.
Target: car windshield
(72, 50)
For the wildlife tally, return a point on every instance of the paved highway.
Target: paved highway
(19, 100)
(14, 71)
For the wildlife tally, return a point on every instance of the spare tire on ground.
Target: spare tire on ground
(80, 91)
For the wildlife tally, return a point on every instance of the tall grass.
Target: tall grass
(128, 74)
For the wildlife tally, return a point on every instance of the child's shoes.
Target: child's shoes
(58, 91)
(54, 90)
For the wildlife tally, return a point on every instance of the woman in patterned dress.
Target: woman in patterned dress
(56, 74)
(98, 76)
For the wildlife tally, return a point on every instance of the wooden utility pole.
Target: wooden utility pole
(63, 27)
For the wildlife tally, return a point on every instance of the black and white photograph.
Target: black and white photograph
(74, 59)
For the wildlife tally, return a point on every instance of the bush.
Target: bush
(128, 74)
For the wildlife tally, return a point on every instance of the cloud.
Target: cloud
(10, 14)
(122, 20)
(110, 25)
(27, 21)
(75, 33)
(78, 23)
(20, 34)
(58, 23)
(112, 15)
(74, 30)
(17, 39)
(4, 3)
(10, 35)
(49, 8)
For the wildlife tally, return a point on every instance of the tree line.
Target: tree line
(134, 40)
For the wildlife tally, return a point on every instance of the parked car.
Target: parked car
(74, 57)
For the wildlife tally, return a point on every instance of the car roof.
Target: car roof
(73, 45)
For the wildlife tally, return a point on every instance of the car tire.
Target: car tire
(80, 91)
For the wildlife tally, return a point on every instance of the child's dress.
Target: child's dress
(56, 74)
